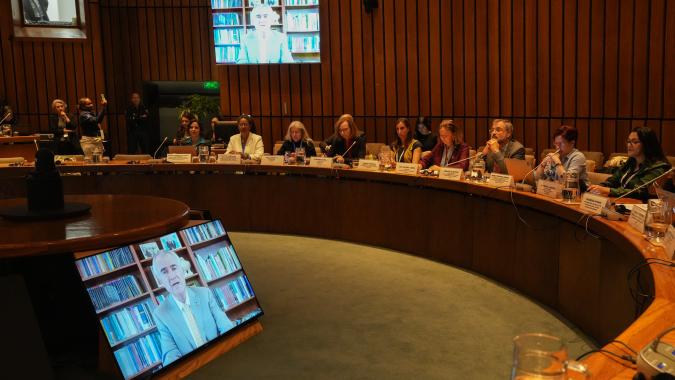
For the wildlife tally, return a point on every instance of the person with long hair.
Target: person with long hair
(646, 162)
(405, 147)
(450, 149)
(297, 137)
(347, 143)
(195, 135)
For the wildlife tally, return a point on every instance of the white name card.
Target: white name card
(453, 174)
(369, 165)
(501, 180)
(549, 189)
(272, 160)
(669, 242)
(638, 214)
(321, 162)
(232, 159)
(405, 168)
(179, 158)
(592, 204)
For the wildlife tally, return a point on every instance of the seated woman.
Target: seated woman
(195, 136)
(646, 162)
(449, 150)
(569, 160)
(347, 143)
(246, 143)
(182, 132)
(406, 148)
(64, 129)
(424, 135)
(297, 137)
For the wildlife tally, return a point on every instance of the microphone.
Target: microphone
(350, 147)
(537, 167)
(159, 147)
(6, 117)
(477, 155)
(643, 185)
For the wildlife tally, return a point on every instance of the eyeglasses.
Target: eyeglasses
(633, 142)
(496, 130)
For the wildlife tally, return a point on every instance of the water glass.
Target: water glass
(570, 191)
(300, 156)
(97, 156)
(658, 218)
(478, 171)
(541, 356)
(203, 153)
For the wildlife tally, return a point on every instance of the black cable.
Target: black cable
(627, 358)
(625, 345)
(639, 295)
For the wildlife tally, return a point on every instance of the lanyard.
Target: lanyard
(625, 181)
(294, 148)
(399, 158)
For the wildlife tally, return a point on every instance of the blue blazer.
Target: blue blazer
(174, 335)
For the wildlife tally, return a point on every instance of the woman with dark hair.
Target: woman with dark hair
(449, 150)
(347, 143)
(246, 143)
(195, 135)
(405, 147)
(182, 132)
(424, 135)
(568, 160)
(646, 162)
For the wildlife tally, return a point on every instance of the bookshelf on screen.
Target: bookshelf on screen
(128, 296)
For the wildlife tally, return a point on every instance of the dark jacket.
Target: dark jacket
(626, 178)
(137, 117)
(289, 146)
(89, 122)
(338, 147)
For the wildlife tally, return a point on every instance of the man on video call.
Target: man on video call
(189, 316)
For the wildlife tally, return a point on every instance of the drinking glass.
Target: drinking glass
(570, 191)
(658, 219)
(541, 356)
(203, 153)
(300, 156)
(478, 171)
(96, 156)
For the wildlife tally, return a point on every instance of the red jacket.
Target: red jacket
(460, 152)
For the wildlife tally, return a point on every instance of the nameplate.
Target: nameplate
(272, 160)
(549, 189)
(231, 159)
(369, 165)
(453, 174)
(592, 204)
(406, 168)
(501, 180)
(669, 242)
(179, 158)
(638, 214)
(321, 162)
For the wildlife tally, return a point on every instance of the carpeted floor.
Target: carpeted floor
(336, 310)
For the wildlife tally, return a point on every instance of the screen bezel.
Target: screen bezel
(191, 354)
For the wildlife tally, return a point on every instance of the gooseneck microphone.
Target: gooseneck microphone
(643, 185)
(159, 147)
(477, 155)
(6, 117)
(348, 149)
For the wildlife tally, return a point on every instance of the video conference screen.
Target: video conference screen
(266, 31)
(50, 12)
(161, 299)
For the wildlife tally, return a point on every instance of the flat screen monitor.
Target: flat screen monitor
(266, 31)
(160, 300)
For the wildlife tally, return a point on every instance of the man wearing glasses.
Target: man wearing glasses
(500, 146)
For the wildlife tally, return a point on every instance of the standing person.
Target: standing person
(89, 125)
(138, 132)
(62, 125)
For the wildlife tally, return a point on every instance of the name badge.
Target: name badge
(179, 158)
(231, 159)
(272, 160)
(549, 189)
(592, 204)
(638, 214)
(669, 242)
(404, 168)
(453, 174)
(501, 180)
(321, 162)
(369, 165)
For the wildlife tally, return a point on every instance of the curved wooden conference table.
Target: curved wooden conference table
(552, 259)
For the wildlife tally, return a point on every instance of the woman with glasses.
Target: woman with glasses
(347, 143)
(646, 162)
(568, 160)
(500, 146)
(246, 143)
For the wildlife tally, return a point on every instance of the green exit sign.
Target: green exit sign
(212, 85)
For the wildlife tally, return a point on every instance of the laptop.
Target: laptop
(519, 169)
(182, 149)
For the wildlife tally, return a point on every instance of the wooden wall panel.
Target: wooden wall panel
(599, 65)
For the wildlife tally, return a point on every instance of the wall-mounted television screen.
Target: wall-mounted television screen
(266, 31)
(161, 299)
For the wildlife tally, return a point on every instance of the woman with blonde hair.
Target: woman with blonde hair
(297, 137)
(450, 150)
(347, 143)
